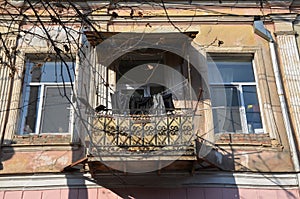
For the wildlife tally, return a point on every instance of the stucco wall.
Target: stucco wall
(237, 36)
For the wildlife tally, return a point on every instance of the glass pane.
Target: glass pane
(227, 120)
(30, 109)
(56, 110)
(252, 109)
(226, 109)
(225, 96)
(230, 71)
(51, 72)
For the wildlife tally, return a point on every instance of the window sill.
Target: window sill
(244, 139)
(41, 139)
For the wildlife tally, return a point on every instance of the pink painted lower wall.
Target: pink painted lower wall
(153, 193)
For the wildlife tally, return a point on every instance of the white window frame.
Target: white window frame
(41, 96)
(242, 111)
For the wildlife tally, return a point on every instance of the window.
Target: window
(47, 88)
(234, 95)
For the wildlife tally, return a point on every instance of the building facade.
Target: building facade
(158, 99)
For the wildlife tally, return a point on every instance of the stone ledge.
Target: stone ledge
(244, 139)
(203, 179)
(277, 33)
(41, 139)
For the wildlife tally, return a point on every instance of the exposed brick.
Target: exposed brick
(41, 139)
(251, 139)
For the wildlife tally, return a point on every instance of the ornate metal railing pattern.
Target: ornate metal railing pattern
(143, 133)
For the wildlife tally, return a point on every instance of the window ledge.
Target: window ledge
(41, 139)
(244, 139)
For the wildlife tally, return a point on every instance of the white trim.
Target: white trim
(42, 86)
(40, 109)
(203, 179)
(244, 121)
(242, 110)
(50, 84)
(239, 87)
(45, 181)
(259, 96)
(234, 84)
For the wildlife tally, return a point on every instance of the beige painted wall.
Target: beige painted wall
(237, 37)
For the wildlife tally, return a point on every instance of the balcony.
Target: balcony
(116, 135)
(164, 143)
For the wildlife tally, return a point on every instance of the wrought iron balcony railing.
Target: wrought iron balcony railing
(116, 134)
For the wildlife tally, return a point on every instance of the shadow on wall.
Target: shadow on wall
(284, 192)
(205, 180)
(151, 193)
(202, 184)
(179, 193)
(82, 192)
(205, 193)
(7, 152)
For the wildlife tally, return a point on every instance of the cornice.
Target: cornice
(290, 17)
(279, 3)
(278, 33)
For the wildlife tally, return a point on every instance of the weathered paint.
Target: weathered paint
(290, 62)
(39, 159)
(150, 193)
(237, 35)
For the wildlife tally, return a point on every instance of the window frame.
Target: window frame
(239, 86)
(41, 96)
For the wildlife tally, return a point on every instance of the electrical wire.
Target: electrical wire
(84, 17)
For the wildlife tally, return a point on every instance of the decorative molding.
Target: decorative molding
(279, 3)
(206, 179)
(40, 147)
(285, 33)
(283, 17)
